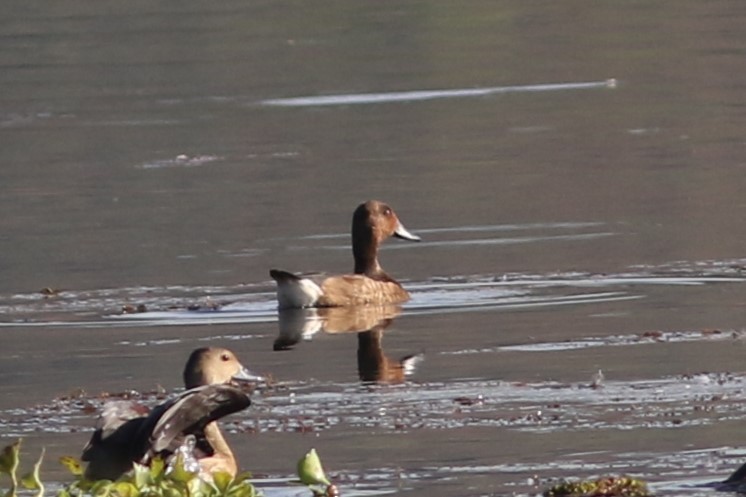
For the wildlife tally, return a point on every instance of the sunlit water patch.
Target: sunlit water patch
(623, 340)
(182, 160)
(421, 95)
(303, 407)
(175, 305)
(256, 303)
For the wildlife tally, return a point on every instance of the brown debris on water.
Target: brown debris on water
(654, 334)
(134, 309)
(469, 401)
(207, 305)
(708, 331)
(597, 381)
(608, 486)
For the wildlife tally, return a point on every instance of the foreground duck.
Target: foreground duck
(127, 433)
(372, 223)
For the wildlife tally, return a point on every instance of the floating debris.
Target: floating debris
(132, 309)
(608, 486)
(597, 381)
(469, 401)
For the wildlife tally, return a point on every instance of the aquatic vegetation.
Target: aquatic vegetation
(608, 486)
(9, 463)
(311, 473)
(160, 480)
(156, 480)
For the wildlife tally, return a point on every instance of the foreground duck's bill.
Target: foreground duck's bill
(246, 375)
(402, 232)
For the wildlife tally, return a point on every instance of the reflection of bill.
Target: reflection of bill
(368, 322)
(374, 366)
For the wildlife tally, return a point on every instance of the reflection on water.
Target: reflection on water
(375, 366)
(368, 322)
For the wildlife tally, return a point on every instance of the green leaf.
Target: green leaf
(31, 480)
(198, 487)
(157, 468)
(141, 475)
(222, 480)
(174, 492)
(72, 464)
(125, 489)
(310, 471)
(241, 489)
(9, 458)
(241, 477)
(101, 488)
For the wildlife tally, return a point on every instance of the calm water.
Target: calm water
(169, 154)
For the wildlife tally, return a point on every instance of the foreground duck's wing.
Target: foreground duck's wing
(113, 446)
(188, 414)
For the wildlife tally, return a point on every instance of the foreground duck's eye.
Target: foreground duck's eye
(225, 357)
(387, 211)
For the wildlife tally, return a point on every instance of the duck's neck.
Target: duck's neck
(365, 251)
(223, 459)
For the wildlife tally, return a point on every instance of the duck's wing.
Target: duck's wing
(111, 450)
(188, 414)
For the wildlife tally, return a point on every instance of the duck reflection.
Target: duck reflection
(374, 366)
(369, 322)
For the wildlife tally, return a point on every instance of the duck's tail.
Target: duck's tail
(295, 291)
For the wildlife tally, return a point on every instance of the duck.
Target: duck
(372, 223)
(128, 432)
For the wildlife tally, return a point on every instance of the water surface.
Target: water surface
(162, 158)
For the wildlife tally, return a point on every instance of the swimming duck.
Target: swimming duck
(372, 223)
(128, 432)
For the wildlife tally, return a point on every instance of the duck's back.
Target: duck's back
(359, 289)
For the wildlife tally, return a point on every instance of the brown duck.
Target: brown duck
(128, 432)
(372, 223)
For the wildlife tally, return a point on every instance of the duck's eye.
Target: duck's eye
(387, 211)
(225, 358)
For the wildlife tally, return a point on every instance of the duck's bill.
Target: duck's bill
(402, 232)
(246, 375)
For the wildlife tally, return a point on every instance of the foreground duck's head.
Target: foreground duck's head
(211, 365)
(372, 223)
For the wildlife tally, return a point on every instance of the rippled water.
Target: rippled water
(575, 171)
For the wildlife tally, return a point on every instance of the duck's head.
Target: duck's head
(373, 222)
(210, 365)
(380, 220)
